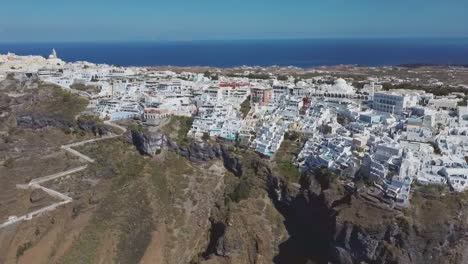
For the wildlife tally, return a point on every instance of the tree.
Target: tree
(435, 147)
(282, 78)
(205, 137)
(463, 102)
(342, 120)
(245, 107)
(241, 191)
(326, 129)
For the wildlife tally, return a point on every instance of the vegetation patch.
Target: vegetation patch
(254, 171)
(59, 102)
(23, 249)
(241, 191)
(289, 171)
(85, 88)
(288, 151)
(177, 128)
(125, 210)
(436, 90)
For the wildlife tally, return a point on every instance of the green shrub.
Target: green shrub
(289, 171)
(241, 192)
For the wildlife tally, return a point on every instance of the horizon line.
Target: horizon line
(236, 39)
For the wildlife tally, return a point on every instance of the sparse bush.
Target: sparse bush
(436, 90)
(20, 251)
(260, 76)
(136, 127)
(206, 137)
(241, 191)
(282, 78)
(9, 163)
(432, 189)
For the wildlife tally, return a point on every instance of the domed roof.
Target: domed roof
(341, 86)
(340, 81)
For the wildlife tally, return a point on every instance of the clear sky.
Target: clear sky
(149, 20)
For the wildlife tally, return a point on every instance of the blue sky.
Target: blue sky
(155, 20)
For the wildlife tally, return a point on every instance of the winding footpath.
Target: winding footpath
(64, 199)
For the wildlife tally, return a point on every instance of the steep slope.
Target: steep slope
(328, 223)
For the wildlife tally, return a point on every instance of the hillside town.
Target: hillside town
(395, 138)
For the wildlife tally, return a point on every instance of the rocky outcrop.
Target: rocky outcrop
(42, 121)
(197, 151)
(151, 143)
(19, 82)
(38, 121)
(206, 151)
(145, 143)
(92, 126)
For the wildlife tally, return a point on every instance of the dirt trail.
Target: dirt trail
(36, 183)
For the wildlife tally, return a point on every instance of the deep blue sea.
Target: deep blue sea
(300, 53)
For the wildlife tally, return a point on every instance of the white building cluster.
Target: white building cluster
(395, 138)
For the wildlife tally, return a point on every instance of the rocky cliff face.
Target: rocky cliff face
(320, 221)
(247, 231)
(152, 143)
(92, 126)
(329, 224)
(42, 120)
(145, 143)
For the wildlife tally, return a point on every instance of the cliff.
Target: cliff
(152, 143)
(318, 220)
(327, 223)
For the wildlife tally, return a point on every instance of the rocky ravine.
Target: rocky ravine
(326, 223)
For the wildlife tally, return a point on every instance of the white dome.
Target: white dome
(341, 86)
(340, 81)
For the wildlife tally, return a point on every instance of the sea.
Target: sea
(303, 53)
